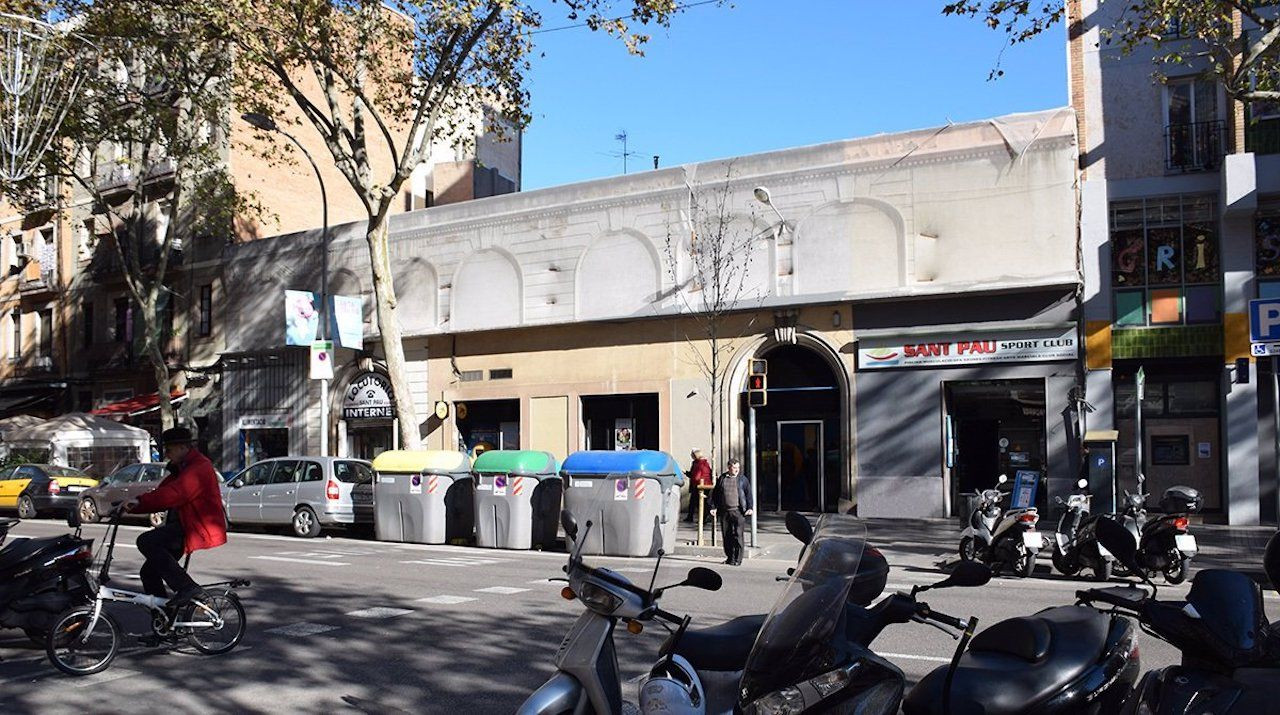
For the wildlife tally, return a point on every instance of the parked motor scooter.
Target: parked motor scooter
(1163, 544)
(1230, 659)
(1076, 544)
(1000, 539)
(40, 578)
(586, 678)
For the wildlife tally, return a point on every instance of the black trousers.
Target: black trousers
(731, 524)
(162, 547)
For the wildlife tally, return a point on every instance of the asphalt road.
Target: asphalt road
(349, 624)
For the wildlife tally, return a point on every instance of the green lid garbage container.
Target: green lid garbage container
(632, 499)
(517, 499)
(423, 497)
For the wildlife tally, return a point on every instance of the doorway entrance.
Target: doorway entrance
(366, 439)
(995, 427)
(487, 424)
(798, 433)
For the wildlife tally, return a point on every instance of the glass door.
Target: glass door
(801, 470)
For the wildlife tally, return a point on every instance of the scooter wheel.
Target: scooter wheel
(1064, 565)
(1177, 571)
(1103, 572)
(968, 550)
(1027, 565)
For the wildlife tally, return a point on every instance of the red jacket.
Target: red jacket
(194, 492)
(700, 472)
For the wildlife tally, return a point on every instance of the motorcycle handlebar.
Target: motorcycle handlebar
(667, 616)
(1092, 595)
(926, 612)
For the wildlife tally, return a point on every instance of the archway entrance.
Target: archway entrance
(798, 433)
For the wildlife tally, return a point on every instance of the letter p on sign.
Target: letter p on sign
(1264, 320)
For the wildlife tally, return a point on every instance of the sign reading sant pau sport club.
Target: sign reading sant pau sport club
(972, 350)
(368, 397)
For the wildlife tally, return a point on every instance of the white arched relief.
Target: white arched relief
(746, 255)
(344, 281)
(417, 291)
(618, 275)
(852, 246)
(487, 292)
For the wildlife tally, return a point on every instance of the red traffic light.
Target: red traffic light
(755, 382)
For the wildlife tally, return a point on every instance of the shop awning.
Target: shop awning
(14, 404)
(137, 405)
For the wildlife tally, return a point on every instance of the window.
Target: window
(353, 472)
(205, 326)
(15, 318)
(258, 474)
(1164, 262)
(286, 472)
(17, 254)
(1168, 398)
(500, 374)
(86, 317)
(128, 475)
(1193, 131)
(1170, 449)
(312, 472)
(45, 327)
(122, 320)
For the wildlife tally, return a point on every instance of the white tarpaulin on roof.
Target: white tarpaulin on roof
(81, 431)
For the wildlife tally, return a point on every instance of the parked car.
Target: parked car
(122, 485)
(305, 493)
(36, 488)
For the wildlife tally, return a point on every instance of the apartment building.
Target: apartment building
(1180, 195)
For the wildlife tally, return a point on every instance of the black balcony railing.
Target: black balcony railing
(1197, 146)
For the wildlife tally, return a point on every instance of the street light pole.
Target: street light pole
(265, 123)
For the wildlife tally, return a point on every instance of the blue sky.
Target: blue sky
(770, 74)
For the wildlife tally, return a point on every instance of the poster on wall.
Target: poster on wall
(301, 317)
(348, 321)
(973, 350)
(623, 432)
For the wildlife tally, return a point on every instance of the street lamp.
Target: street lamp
(267, 124)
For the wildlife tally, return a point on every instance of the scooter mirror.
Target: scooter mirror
(1271, 561)
(1119, 542)
(798, 526)
(967, 574)
(1002, 479)
(73, 517)
(703, 578)
(570, 524)
(1083, 484)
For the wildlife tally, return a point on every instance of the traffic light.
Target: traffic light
(757, 385)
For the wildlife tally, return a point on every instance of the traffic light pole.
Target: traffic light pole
(751, 460)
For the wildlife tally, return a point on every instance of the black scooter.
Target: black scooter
(1076, 544)
(1163, 544)
(1230, 654)
(40, 578)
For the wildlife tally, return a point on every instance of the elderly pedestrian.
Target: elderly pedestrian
(731, 500)
(699, 476)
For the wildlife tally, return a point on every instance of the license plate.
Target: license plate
(76, 490)
(1185, 542)
(1032, 539)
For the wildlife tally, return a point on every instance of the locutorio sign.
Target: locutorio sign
(971, 350)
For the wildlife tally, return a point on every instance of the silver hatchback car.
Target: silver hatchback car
(305, 493)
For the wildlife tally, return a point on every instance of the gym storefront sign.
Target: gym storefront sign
(972, 350)
(368, 397)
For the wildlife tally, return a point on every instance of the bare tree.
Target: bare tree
(711, 277)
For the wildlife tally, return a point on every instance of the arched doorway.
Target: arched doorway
(798, 433)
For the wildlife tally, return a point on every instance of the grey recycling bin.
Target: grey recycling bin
(517, 499)
(632, 499)
(423, 497)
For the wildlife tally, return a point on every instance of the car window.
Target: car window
(353, 472)
(151, 473)
(64, 472)
(258, 474)
(124, 476)
(286, 472)
(28, 472)
(312, 472)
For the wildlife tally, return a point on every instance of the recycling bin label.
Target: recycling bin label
(415, 484)
(500, 485)
(620, 490)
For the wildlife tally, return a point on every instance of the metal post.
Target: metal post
(751, 460)
(1139, 392)
(1275, 412)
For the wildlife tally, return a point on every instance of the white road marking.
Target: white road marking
(908, 656)
(633, 569)
(379, 612)
(312, 562)
(544, 581)
(105, 676)
(503, 590)
(448, 561)
(446, 600)
(302, 628)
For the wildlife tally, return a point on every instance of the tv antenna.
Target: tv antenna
(625, 153)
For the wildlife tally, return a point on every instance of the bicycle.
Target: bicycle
(86, 638)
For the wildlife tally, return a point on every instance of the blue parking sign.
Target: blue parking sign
(1264, 320)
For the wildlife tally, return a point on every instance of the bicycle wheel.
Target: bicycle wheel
(75, 650)
(214, 635)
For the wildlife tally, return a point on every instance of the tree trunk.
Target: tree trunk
(384, 295)
(159, 367)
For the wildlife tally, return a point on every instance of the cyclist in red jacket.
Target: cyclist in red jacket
(196, 519)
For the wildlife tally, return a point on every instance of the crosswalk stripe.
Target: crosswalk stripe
(446, 561)
(302, 628)
(379, 612)
(503, 590)
(312, 562)
(446, 600)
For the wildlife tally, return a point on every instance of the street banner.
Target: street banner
(301, 317)
(348, 321)
(322, 360)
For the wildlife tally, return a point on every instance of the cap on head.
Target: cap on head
(176, 435)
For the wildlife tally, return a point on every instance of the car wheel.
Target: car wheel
(157, 518)
(26, 508)
(88, 511)
(305, 523)
(968, 552)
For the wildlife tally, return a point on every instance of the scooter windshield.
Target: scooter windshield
(1230, 608)
(799, 629)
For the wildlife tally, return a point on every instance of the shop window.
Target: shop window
(1171, 450)
(500, 374)
(1266, 253)
(205, 328)
(1192, 398)
(1165, 264)
(1182, 398)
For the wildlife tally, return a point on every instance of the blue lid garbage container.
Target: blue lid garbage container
(517, 499)
(632, 499)
(423, 497)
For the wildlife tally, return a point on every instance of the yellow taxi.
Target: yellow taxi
(32, 489)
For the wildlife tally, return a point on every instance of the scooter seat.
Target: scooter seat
(722, 647)
(19, 550)
(1015, 664)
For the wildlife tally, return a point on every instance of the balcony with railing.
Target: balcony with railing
(38, 276)
(1196, 146)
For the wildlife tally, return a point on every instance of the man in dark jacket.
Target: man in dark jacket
(731, 499)
(196, 519)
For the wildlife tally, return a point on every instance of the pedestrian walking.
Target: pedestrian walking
(731, 499)
(699, 476)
